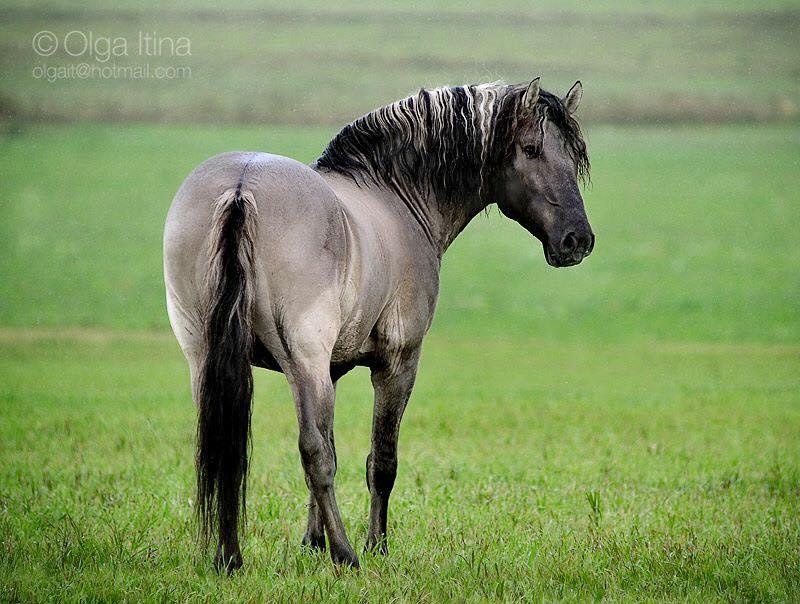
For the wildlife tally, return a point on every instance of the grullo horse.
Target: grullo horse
(312, 270)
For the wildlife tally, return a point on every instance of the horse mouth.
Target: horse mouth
(563, 260)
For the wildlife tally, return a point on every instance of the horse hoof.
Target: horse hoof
(377, 546)
(345, 558)
(233, 563)
(316, 542)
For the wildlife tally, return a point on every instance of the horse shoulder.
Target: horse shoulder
(409, 311)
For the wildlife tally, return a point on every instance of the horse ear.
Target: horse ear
(531, 96)
(573, 98)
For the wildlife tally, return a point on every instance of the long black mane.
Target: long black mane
(448, 142)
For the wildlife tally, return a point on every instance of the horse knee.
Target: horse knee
(381, 473)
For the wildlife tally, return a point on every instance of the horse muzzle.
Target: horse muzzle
(570, 249)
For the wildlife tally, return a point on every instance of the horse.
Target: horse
(311, 270)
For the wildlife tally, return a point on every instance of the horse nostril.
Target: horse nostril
(569, 243)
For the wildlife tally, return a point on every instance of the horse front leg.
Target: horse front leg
(392, 382)
(314, 537)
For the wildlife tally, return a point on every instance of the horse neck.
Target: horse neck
(440, 220)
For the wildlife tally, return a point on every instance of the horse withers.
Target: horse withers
(312, 270)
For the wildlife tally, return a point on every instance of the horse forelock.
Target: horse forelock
(446, 141)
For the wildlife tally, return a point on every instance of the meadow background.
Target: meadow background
(626, 429)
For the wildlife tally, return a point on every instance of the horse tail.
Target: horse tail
(226, 379)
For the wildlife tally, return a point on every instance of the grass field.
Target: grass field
(696, 234)
(689, 452)
(626, 429)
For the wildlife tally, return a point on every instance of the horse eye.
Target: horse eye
(531, 151)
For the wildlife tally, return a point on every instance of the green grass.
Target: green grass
(315, 63)
(625, 429)
(696, 234)
(529, 470)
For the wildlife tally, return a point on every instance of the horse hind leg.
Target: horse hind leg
(308, 372)
(314, 536)
(314, 399)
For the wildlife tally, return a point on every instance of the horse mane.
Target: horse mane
(447, 141)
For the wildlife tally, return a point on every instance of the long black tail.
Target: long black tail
(226, 381)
